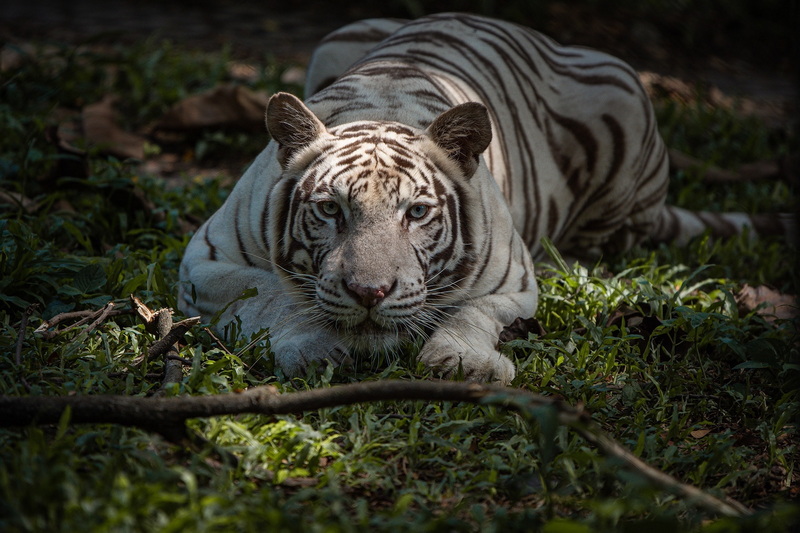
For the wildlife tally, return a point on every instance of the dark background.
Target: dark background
(744, 47)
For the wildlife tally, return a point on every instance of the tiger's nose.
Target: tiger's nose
(367, 295)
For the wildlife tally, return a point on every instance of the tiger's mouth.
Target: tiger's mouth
(369, 326)
(369, 330)
(370, 337)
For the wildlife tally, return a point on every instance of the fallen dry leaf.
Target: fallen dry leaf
(72, 161)
(676, 89)
(12, 56)
(100, 129)
(18, 200)
(520, 328)
(634, 320)
(767, 302)
(224, 106)
(645, 326)
(700, 433)
(294, 75)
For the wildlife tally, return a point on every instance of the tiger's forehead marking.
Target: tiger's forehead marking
(374, 128)
(375, 163)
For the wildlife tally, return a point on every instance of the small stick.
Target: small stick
(159, 323)
(163, 345)
(219, 342)
(21, 332)
(101, 316)
(85, 316)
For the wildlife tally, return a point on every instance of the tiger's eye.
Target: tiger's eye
(418, 211)
(330, 208)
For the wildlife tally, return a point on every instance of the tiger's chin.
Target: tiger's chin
(370, 337)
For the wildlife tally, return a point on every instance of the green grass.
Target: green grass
(684, 359)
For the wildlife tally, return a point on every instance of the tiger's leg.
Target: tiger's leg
(679, 225)
(340, 49)
(295, 339)
(468, 340)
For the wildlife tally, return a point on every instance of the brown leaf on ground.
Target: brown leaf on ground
(635, 321)
(68, 134)
(224, 106)
(645, 325)
(11, 57)
(632, 317)
(768, 303)
(18, 200)
(773, 112)
(100, 129)
(520, 328)
(72, 161)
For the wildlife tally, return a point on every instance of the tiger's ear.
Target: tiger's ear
(464, 132)
(291, 124)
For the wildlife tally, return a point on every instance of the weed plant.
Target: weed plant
(651, 343)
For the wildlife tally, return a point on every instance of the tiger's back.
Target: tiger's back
(575, 149)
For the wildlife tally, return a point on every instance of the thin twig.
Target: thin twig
(217, 341)
(23, 323)
(84, 316)
(612, 448)
(165, 415)
(101, 316)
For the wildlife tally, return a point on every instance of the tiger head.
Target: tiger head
(371, 222)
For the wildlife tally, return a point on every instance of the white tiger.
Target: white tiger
(405, 200)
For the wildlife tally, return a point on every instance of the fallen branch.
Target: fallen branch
(168, 416)
(104, 313)
(159, 323)
(85, 316)
(164, 345)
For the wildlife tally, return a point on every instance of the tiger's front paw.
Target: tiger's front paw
(474, 365)
(296, 353)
